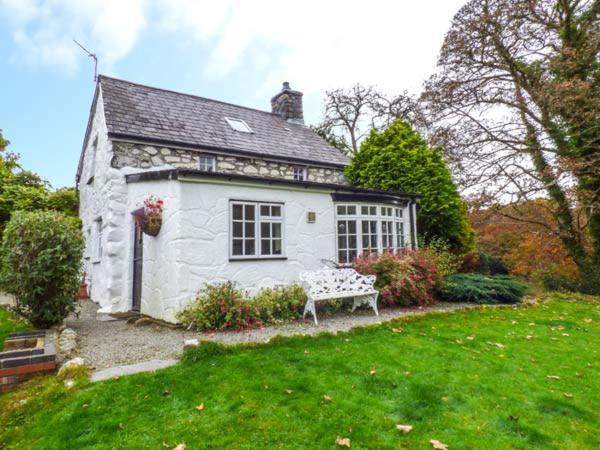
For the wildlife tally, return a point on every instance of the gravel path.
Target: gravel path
(115, 342)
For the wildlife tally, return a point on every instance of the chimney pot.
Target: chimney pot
(286, 86)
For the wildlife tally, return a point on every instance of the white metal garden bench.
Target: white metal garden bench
(328, 283)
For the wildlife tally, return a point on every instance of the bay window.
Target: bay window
(256, 230)
(368, 229)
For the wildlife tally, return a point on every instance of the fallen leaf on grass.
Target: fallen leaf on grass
(567, 395)
(342, 442)
(565, 334)
(470, 338)
(327, 398)
(529, 337)
(200, 407)
(289, 391)
(180, 447)
(372, 372)
(553, 377)
(587, 320)
(166, 392)
(404, 428)
(438, 445)
(397, 330)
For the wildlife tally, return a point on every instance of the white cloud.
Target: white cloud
(314, 44)
(44, 30)
(317, 44)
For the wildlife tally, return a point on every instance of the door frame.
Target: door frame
(137, 267)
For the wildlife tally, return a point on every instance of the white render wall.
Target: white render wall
(192, 247)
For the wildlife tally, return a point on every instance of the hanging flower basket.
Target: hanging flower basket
(149, 217)
(152, 224)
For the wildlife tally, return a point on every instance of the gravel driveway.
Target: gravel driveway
(115, 342)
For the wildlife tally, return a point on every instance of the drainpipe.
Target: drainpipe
(412, 209)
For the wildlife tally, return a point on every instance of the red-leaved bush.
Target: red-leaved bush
(407, 278)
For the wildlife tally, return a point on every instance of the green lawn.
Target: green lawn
(498, 390)
(9, 325)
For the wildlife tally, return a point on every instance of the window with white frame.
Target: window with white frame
(208, 163)
(368, 228)
(299, 173)
(256, 230)
(97, 251)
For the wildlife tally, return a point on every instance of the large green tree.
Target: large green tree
(399, 159)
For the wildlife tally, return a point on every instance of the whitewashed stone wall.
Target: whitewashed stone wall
(192, 248)
(104, 197)
(146, 156)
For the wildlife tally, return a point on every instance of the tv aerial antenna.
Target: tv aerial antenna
(91, 55)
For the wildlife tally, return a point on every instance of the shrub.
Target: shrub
(555, 278)
(280, 304)
(223, 306)
(41, 261)
(219, 307)
(407, 278)
(491, 265)
(447, 262)
(478, 288)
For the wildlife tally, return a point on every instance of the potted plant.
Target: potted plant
(150, 215)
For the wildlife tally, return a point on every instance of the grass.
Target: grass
(8, 324)
(498, 390)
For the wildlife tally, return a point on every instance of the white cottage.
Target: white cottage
(250, 196)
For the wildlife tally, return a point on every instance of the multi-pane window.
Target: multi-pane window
(270, 230)
(207, 163)
(369, 236)
(368, 228)
(299, 173)
(256, 230)
(387, 234)
(347, 241)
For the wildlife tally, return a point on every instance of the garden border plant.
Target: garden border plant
(50, 247)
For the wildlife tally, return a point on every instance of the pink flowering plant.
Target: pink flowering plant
(406, 278)
(153, 206)
(223, 306)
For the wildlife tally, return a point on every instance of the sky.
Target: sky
(232, 50)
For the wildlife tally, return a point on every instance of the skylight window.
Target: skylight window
(239, 125)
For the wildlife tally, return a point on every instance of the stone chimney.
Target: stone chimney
(288, 104)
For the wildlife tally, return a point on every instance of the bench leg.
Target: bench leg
(373, 303)
(357, 302)
(310, 307)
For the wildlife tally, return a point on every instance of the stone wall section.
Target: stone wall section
(140, 156)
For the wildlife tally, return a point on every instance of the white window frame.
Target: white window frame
(300, 173)
(92, 171)
(238, 125)
(392, 215)
(97, 244)
(207, 162)
(258, 220)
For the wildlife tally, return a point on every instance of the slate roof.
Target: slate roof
(151, 114)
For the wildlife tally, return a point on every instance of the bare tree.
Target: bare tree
(350, 114)
(517, 102)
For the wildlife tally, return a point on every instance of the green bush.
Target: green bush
(478, 288)
(491, 265)
(280, 304)
(586, 283)
(447, 262)
(41, 260)
(222, 306)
